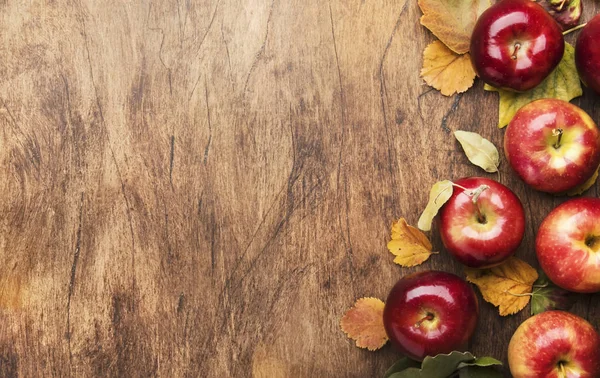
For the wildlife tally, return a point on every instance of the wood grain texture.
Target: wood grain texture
(202, 188)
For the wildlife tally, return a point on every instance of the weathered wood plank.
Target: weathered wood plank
(203, 188)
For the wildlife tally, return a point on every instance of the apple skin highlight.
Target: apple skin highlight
(568, 245)
(554, 344)
(543, 161)
(429, 313)
(482, 244)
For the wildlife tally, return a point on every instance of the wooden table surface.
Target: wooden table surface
(203, 188)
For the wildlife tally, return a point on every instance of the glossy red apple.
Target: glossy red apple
(515, 45)
(485, 232)
(429, 313)
(568, 245)
(555, 344)
(587, 54)
(552, 145)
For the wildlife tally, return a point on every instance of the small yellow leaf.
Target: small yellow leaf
(506, 286)
(452, 21)
(563, 83)
(364, 323)
(438, 195)
(410, 246)
(585, 186)
(445, 70)
(479, 150)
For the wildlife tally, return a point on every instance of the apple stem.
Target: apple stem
(557, 133)
(426, 317)
(562, 4)
(475, 196)
(517, 47)
(574, 29)
(561, 366)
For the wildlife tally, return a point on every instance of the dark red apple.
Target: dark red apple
(555, 344)
(552, 145)
(429, 313)
(587, 54)
(515, 45)
(484, 231)
(568, 245)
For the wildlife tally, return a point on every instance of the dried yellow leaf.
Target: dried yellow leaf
(410, 246)
(438, 195)
(479, 150)
(563, 83)
(452, 21)
(585, 186)
(445, 70)
(506, 286)
(364, 323)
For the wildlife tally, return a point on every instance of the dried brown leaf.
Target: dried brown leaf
(364, 323)
(446, 70)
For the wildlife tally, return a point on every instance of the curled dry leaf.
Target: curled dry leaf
(445, 70)
(585, 186)
(439, 194)
(479, 150)
(364, 323)
(566, 12)
(563, 83)
(410, 246)
(507, 286)
(452, 21)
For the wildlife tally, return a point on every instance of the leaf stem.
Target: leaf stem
(518, 295)
(574, 29)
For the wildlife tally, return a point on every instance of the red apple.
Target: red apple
(568, 245)
(429, 313)
(515, 45)
(555, 344)
(587, 54)
(484, 232)
(552, 145)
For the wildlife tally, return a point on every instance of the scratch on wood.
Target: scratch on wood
(346, 234)
(202, 42)
(209, 123)
(212, 247)
(383, 90)
(114, 158)
(449, 112)
(261, 51)
(180, 303)
(171, 159)
(167, 236)
(73, 273)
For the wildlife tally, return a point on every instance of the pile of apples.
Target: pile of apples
(554, 147)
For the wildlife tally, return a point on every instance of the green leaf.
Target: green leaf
(479, 372)
(563, 83)
(547, 296)
(440, 366)
(479, 150)
(401, 364)
(482, 361)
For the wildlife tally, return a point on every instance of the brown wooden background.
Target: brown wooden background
(203, 188)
